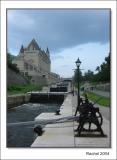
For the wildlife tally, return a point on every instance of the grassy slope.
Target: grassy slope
(104, 101)
(18, 89)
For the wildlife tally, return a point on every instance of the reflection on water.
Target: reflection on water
(24, 136)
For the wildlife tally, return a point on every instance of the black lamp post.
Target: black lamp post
(78, 63)
(73, 82)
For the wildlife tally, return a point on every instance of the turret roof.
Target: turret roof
(22, 49)
(34, 44)
(47, 51)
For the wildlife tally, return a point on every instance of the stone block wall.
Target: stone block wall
(14, 78)
(39, 80)
(16, 100)
(103, 87)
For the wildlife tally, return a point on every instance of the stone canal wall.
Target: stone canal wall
(48, 97)
(16, 100)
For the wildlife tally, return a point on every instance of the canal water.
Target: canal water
(23, 136)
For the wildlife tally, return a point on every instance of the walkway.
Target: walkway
(62, 135)
(57, 135)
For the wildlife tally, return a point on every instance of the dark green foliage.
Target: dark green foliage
(103, 74)
(10, 64)
(88, 76)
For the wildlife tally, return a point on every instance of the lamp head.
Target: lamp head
(78, 62)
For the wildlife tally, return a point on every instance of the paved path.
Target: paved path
(105, 111)
(57, 135)
(101, 93)
(63, 135)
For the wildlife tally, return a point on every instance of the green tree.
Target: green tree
(88, 76)
(102, 75)
(103, 71)
(97, 69)
(10, 64)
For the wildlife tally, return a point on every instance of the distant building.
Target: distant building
(35, 63)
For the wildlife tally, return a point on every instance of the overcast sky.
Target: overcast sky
(69, 34)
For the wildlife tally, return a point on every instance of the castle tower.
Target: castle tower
(47, 52)
(22, 49)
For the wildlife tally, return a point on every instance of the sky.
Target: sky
(68, 34)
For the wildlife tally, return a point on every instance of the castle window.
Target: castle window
(43, 75)
(35, 68)
(22, 73)
(26, 73)
(26, 66)
(33, 80)
(31, 67)
(31, 47)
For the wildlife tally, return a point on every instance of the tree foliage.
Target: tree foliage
(102, 75)
(88, 76)
(10, 64)
(103, 71)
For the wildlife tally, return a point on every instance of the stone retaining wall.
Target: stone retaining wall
(15, 78)
(16, 100)
(103, 87)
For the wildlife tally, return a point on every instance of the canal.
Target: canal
(23, 136)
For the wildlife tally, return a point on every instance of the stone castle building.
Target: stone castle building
(35, 63)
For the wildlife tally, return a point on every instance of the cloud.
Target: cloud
(55, 56)
(59, 29)
(68, 33)
(19, 20)
(91, 56)
(64, 66)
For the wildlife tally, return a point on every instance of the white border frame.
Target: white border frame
(72, 153)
